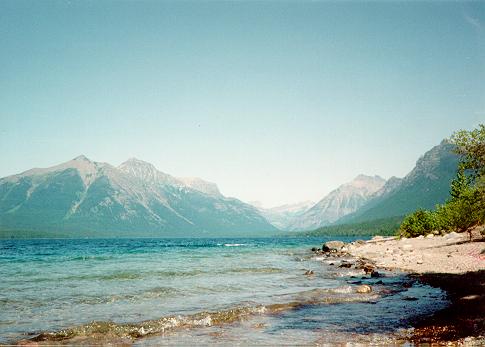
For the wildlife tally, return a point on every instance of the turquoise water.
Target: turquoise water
(178, 291)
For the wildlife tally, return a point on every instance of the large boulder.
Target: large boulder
(334, 245)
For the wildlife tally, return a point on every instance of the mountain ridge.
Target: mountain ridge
(133, 198)
(426, 185)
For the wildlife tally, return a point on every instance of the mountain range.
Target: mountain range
(82, 197)
(368, 198)
(426, 185)
(87, 198)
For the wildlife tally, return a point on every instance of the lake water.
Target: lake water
(195, 291)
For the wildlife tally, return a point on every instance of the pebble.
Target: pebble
(407, 247)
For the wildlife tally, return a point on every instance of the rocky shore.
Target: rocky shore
(454, 262)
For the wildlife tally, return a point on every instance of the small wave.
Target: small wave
(254, 270)
(235, 244)
(151, 327)
(133, 331)
(91, 257)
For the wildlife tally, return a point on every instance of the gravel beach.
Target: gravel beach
(452, 253)
(454, 262)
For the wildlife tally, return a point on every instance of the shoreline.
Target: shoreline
(450, 262)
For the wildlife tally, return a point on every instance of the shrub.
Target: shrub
(421, 222)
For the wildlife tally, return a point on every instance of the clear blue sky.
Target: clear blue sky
(274, 101)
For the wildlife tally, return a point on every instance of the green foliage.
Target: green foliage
(466, 206)
(470, 145)
(420, 222)
(385, 226)
(460, 184)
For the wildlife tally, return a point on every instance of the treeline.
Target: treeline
(465, 208)
(385, 226)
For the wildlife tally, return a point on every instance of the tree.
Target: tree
(470, 145)
(460, 184)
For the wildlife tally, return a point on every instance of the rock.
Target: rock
(379, 282)
(345, 265)
(334, 245)
(407, 247)
(314, 249)
(420, 237)
(436, 232)
(452, 235)
(419, 261)
(344, 249)
(368, 268)
(309, 272)
(375, 274)
(470, 297)
(429, 236)
(363, 289)
(325, 248)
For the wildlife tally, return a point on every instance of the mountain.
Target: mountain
(202, 186)
(425, 186)
(284, 215)
(344, 200)
(86, 198)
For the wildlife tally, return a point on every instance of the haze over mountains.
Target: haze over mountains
(285, 215)
(86, 198)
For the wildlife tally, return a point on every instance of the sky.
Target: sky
(276, 102)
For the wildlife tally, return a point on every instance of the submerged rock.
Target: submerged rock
(375, 274)
(363, 289)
